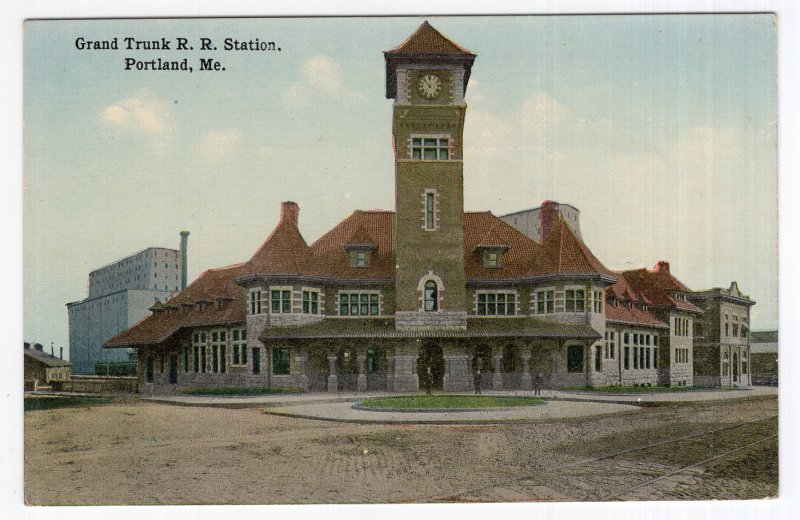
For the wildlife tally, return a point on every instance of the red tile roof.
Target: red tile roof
(635, 316)
(516, 261)
(331, 257)
(210, 285)
(564, 253)
(285, 252)
(427, 40)
(655, 287)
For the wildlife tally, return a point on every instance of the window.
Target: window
(280, 301)
(598, 359)
(219, 340)
(255, 301)
(636, 358)
(429, 148)
(627, 358)
(610, 344)
(239, 346)
(496, 303)
(574, 358)
(310, 302)
(431, 296)
(185, 359)
(735, 326)
(491, 258)
(430, 209)
(280, 361)
(199, 347)
(647, 357)
(725, 364)
(148, 371)
(576, 300)
(744, 363)
(359, 304)
(598, 301)
(360, 259)
(545, 301)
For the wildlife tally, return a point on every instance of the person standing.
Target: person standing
(537, 384)
(428, 381)
(478, 381)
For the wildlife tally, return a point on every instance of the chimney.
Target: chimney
(289, 213)
(661, 265)
(39, 347)
(549, 217)
(27, 345)
(60, 352)
(184, 259)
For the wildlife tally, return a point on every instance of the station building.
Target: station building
(385, 295)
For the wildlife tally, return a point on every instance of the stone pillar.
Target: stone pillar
(333, 381)
(525, 381)
(390, 373)
(362, 372)
(303, 360)
(458, 377)
(405, 373)
(497, 377)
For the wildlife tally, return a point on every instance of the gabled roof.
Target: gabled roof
(427, 40)
(655, 287)
(633, 316)
(565, 253)
(372, 226)
(492, 240)
(47, 359)
(516, 261)
(361, 239)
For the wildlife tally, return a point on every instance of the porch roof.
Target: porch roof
(509, 327)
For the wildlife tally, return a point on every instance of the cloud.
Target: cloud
(320, 77)
(220, 144)
(541, 110)
(138, 113)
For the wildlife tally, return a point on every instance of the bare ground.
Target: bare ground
(146, 453)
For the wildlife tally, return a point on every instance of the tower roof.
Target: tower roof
(426, 45)
(427, 40)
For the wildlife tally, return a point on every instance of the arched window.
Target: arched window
(431, 296)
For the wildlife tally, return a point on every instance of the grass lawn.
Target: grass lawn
(630, 389)
(52, 402)
(241, 391)
(450, 401)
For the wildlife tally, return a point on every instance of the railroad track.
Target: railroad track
(542, 477)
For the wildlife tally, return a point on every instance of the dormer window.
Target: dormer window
(491, 249)
(491, 258)
(359, 258)
(359, 248)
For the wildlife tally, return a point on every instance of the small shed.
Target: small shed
(43, 369)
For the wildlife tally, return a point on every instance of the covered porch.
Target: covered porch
(370, 354)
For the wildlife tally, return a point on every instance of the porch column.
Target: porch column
(497, 377)
(525, 382)
(333, 381)
(362, 373)
(303, 361)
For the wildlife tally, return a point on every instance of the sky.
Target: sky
(661, 129)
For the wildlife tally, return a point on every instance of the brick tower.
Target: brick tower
(427, 77)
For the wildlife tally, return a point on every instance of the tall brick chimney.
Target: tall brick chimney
(290, 213)
(549, 216)
(184, 258)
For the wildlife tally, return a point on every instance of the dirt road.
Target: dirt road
(147, 453)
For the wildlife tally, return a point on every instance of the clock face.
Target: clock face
(430, 85)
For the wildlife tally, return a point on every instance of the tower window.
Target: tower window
(431, 296)
(430, 210)
(430, 148)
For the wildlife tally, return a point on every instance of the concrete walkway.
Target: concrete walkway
(352, 397)
(561, 404)
(344, 412)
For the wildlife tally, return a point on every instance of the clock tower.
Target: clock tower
(427, 76)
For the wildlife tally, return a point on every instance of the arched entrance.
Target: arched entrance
(430, 355)
(735, 368)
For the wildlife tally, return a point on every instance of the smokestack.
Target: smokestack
(60, 352)
(290, 212)
(184, 260)
(549, 216)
